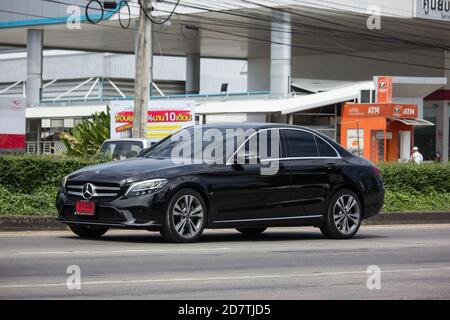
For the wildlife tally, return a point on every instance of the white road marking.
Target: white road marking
(218, 278)
(120, 232)
(166, 251)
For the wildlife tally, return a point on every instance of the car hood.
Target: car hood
(125, 171)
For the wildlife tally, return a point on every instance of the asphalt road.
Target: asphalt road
(282, 264)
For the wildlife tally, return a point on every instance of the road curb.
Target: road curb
(30, 223)
(16, 223)
(409, 218)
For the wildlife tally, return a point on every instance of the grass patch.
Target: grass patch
(398, 201)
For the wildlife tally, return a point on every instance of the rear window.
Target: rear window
(325, 150)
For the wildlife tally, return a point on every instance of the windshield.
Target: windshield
(209, 144)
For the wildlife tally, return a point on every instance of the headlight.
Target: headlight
(145, 187)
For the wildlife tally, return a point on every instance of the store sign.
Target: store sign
(405, 111)
(163, 118)
(384, 89)
(432, 9)
(12, 124)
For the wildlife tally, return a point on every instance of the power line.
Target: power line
(295, 22)
(152, 18)
(303, 47)
(336, 52)
(266, 19)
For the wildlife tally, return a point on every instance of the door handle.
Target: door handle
(332, 166)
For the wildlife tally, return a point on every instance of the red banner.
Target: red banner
(156, 116)
(169, 116)
(12, 141)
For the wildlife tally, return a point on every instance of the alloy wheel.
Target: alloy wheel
(187, 216)
(346, 214)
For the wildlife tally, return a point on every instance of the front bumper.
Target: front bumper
(143, 212)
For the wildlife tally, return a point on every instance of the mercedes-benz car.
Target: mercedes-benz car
(244, 176)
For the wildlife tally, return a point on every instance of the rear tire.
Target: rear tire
(185, 218)
(343, 217)
(88, 232)
(251, 231)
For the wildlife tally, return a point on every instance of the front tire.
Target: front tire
(251, 231)
(88, 232)
(185, 218)
(344, 216)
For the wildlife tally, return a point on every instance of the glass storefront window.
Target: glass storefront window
(425, 137)
(57, 123)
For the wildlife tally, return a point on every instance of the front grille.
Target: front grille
(99, 191)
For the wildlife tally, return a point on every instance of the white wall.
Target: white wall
(258, 74)
(238, 117)
(339, 67)
(214, 72)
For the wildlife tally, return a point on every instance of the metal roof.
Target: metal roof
(58, 112)
(287, 105)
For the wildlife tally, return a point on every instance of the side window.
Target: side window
(325, 150)
(265, 145)
(300, 144)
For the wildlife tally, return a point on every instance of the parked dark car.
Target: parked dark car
(316, 182)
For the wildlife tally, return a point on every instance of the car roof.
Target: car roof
(130, 140)
(256, 126)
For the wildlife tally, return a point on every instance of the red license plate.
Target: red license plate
(85, 208)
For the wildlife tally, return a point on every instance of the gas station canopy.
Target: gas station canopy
(238, 29)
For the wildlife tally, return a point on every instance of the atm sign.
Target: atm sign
(404, 111)
(359, 110)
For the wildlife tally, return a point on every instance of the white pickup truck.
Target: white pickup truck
(124, 148)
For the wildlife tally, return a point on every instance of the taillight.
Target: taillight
(376, 170)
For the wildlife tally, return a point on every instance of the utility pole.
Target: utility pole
(143, 72)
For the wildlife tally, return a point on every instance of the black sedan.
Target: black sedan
(246, 176)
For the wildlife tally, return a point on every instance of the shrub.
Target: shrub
(87, 137)
(28, 173)
(411, 178)
(28, 184)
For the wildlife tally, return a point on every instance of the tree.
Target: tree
(87, 137)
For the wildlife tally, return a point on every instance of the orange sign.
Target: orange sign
(384, 90)
(387, 110)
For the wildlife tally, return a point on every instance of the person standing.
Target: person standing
(437, 159)
(417, 157)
